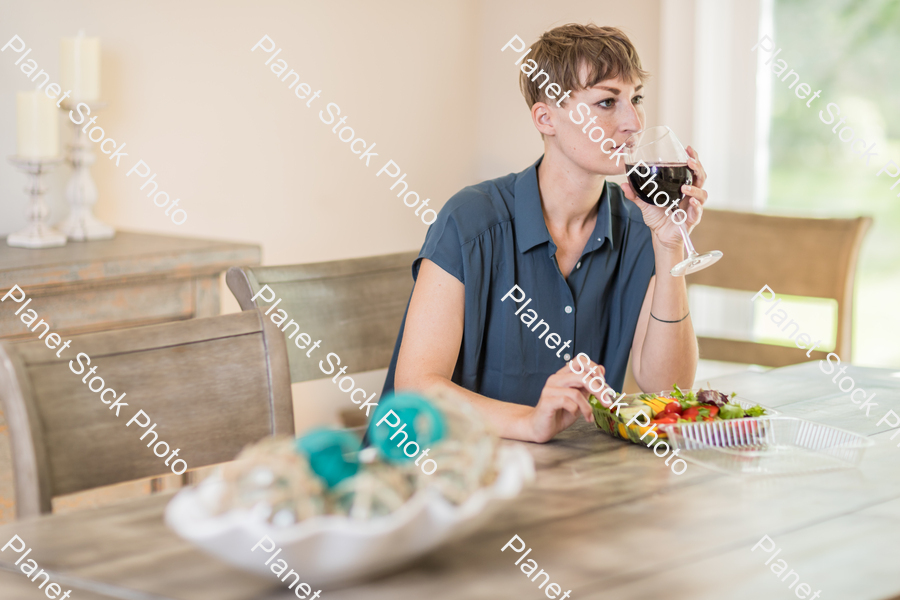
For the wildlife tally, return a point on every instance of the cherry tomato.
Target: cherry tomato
(672, 408)
(667, 418)
(693, 413)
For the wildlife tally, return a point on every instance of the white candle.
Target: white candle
(79, 67)
(37, 125)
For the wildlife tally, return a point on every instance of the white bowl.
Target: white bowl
(329, 550)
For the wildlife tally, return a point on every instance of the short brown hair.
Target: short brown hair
(560, 53)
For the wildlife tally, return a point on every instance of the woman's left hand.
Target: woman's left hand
(656, 218)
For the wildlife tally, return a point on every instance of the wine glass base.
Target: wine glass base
(692, 264)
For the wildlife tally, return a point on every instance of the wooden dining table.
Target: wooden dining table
(604, 518)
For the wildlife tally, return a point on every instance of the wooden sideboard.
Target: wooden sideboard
(133, 279)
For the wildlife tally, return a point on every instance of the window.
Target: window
(848, 49)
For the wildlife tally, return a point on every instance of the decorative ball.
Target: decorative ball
(332, 454)
(414, 419)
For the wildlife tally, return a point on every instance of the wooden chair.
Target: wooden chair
(354, 306)
(211, 385)
(793, 256)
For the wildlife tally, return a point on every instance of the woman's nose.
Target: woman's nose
(632, 119)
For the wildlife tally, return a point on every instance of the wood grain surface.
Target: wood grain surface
(127, 254)
(131, 280)
(605, 518)
(354, 306)
(211, 385)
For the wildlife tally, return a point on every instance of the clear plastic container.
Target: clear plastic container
(770, 445)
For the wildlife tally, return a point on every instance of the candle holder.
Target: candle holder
(81, 192)
(38, 234)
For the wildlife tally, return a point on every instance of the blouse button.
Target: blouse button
(568, 309)
(578, 266)
(567, 356)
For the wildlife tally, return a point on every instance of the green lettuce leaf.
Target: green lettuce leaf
(731, 411)
(756, 411)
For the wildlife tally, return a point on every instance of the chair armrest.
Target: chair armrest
(239, 284)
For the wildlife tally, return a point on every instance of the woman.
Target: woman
(560, 243)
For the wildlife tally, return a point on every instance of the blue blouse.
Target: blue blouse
(493, 237)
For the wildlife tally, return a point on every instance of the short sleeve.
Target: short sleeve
(443, 246)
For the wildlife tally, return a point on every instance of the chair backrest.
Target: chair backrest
(354, 306)
(794, 256)
(210, 385)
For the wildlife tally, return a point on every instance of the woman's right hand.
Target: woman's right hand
(564, 396)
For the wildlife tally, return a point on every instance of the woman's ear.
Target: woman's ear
(543, 118)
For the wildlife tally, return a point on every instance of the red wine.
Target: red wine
(662, 177)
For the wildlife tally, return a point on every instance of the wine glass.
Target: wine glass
(656, 164)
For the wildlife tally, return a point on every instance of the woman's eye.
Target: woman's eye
(638, 100)
(606, 103)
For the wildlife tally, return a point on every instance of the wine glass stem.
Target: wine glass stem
(687, 240)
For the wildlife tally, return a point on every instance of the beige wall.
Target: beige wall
(248, 160)
(424, 80)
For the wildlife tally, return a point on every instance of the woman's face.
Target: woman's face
(611, 109)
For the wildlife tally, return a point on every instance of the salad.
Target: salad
(667, 408)
(705, 405)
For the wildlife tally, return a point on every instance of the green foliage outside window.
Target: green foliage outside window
(849, 49)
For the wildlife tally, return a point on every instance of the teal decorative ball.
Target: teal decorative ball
(332, 454)
(411, 420)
